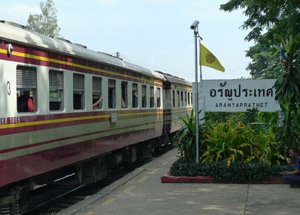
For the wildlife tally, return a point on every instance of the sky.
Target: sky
(154, 34)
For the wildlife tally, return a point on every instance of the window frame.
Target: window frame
(113, 97)
(135, 98)
(173, 98)
(124, 95)
(26, 94)
(97, 94)
(80, 91)
(144, 96)
(60, 91)
(152, 100)
(158, 97)
(178, 98)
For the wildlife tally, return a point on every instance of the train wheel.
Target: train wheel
(9, 203)
(92, 171)
(145, 151)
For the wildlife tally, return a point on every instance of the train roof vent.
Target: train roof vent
(164, 73)
(63, 39)
(13, 24)
(82, 46)
(115, 56)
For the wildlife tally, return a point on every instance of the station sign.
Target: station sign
(238, 95)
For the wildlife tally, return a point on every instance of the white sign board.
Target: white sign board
(239, 95)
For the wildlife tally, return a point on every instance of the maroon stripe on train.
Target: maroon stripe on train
(30, 128)
(82, 114)
(33, 117)
(11, 120)
(71, 59)
(30, 165)
(56, 140)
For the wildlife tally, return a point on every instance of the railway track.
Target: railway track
(51, 199)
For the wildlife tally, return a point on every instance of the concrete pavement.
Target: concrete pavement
(141, 192)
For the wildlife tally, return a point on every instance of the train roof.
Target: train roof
(14, 32)
(175, 79)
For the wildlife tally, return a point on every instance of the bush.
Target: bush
(237, 172)
(232, 141)
(185, 138)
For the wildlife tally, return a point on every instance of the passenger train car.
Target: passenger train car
(67, 109)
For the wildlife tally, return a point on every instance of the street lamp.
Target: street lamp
(194, 27)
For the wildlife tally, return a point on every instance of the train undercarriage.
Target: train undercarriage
(13, 198)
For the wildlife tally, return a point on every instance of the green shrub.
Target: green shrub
(225, 142)
(185, 138)
(188, 168)
(237, 172)
(235, 141)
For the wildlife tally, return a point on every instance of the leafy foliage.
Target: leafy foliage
(279, 21)
(265, 60)
(274, 26)
(46, 22)
(287, 85)
(234, 149)
(223, 141)
(234, 141)
(237, 172)
(288, 92)
(185, 138)
(277, 17)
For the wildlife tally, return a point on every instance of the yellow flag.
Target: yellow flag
(209, 60)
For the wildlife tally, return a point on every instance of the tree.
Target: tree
(288, 92)
(274, 26)
(270, 23)
(278, 16)
(261, 66)
(46, 22)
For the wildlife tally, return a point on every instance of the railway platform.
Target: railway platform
(141, 192)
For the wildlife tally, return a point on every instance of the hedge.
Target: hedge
(237, 172)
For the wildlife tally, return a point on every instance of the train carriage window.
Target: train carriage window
(56, 90)
(173, 98)
(124, 94)
(97, 93)
(26, 89)
(151, 97)
(144, 96)
(111, 93)
(158, 103)
(78, 92)
(135, 96)
(181, 98)
(178, 99)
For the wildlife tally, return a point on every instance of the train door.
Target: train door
(167, 110)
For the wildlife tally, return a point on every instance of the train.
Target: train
(68, 109)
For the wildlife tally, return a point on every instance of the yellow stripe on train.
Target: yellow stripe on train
(73, 119)
(46, 59)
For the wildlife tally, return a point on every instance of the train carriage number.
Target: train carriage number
(10, 120)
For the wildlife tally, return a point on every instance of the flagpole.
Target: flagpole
(200, 62)
(202, 113)
(194, 27)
